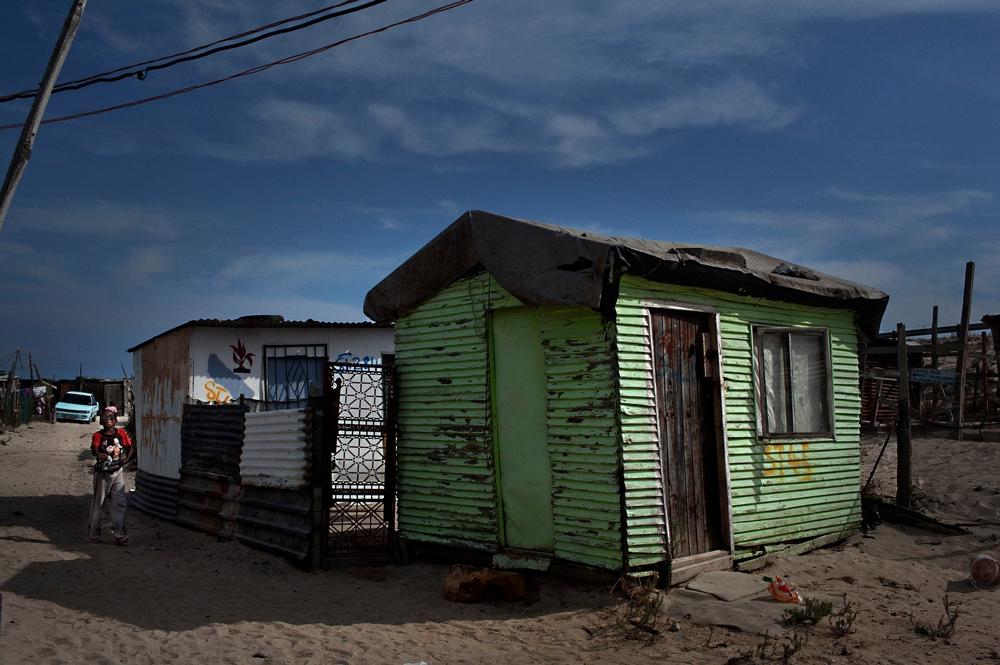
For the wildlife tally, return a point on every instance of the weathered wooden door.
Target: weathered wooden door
(685, 407)
(525, 476)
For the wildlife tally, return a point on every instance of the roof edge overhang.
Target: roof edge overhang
(543, 264)
(256, 322)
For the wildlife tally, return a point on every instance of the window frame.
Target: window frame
(270, 352)
(759, 331)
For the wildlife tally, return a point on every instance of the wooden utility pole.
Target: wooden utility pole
(22, 152)
(903, 449)
(963, 336)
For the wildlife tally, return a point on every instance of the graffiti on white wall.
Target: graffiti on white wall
(348, 357)
(217, 394)
(222, 384)
(242, 357)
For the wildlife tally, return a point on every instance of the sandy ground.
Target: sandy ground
(179, 595)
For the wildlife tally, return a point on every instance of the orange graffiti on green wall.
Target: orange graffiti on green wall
(782, 460)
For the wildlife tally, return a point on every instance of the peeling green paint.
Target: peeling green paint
(781, 491)
(442, 359)
(601, 431)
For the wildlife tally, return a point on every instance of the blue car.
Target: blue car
(78, 407)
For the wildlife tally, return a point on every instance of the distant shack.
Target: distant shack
(217, 361)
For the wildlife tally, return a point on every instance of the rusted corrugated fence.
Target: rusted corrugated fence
(211, 444)
(275, 509)
(247, 476)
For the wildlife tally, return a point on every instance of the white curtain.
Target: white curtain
(775, 370)
(808, 383)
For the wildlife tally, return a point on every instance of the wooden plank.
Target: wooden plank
(963, 337)
(757, 563)
(942, 330)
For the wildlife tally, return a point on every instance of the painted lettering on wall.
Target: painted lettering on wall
(787, 460)
(348, 357)
(217, 394)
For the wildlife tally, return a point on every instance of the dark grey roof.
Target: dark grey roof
(543, 264)
(262, 321)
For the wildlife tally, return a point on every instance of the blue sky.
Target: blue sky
(854, 137)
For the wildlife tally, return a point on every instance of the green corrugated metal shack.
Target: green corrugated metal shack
(618, 403)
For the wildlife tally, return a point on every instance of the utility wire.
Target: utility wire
(218, 41)
(141, 70)
(253, 70)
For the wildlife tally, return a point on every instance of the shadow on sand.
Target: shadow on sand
(171, 578)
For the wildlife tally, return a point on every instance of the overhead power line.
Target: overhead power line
(141, 69)
(253, 70)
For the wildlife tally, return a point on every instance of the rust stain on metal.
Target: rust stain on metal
(165, 367)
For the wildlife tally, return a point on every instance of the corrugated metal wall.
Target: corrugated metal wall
(646, 529)
(582, 436)
(212, 440)
(447, 488)
(275, 506)
(781, 490)
(155, 495)
(278, 520)
(163, 371)
(276, 450)
(209, 488)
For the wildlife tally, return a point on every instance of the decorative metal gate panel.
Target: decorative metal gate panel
(363, 465)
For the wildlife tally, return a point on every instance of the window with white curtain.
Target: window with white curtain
(793, 382)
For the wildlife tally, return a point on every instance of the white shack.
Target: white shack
(263, 358)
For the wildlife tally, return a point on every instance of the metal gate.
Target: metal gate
(362, 497)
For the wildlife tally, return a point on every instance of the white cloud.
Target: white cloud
(880, 274)
(283, 130)
(911, 207)
(24, 264)
(734, 102)
(909, 245)
(430, 132)
(912, 221)
(450, 207)
(101, 219)
(147, 261)
(282, 270)
(572, 84)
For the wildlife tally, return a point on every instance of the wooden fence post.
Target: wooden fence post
(985, 372)
(935, 390)
(903, 449)
(963, 336)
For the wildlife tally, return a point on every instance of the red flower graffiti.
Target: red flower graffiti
(241, 357)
